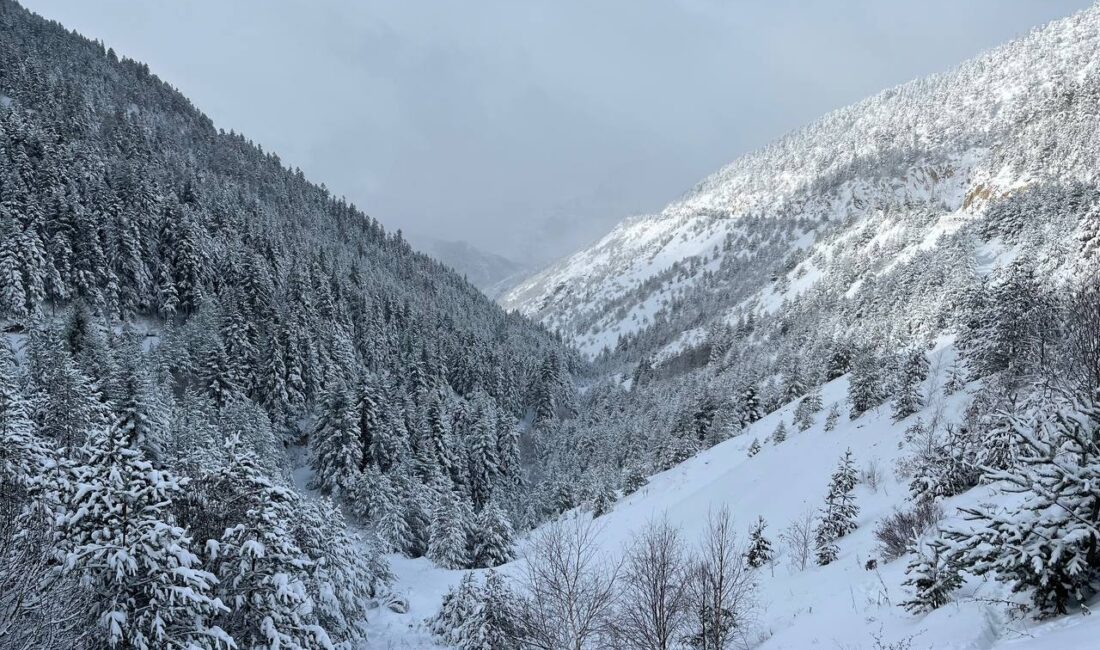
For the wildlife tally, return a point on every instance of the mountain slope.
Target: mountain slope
(841, 605)
(897, 169)
(493, 274)
(186, 323)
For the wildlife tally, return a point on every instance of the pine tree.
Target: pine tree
(495, 625)
(263, 575)
(457, 608)
(634, 478)
(1056, 475)
(335, 442)
(492, 538)
(117, 532)
(839, 514)
(389, 514)
(780, 433)
(760, 548)
(449, 545)
(13, 295)
(932, 574)
(139, 414)
(866, 383)
(603, 497)
(912, 372)
(754, 448)
(217, 375)
(484, 462)
(832, 417)
(955, 379)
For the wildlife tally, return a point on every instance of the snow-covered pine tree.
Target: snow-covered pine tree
(866, 382)
(494, 623)
(634, 478)
(754, 448)
(388, 514)
(116, 531)
(832, 417)
(932, 574)
(779, 435)
(217, 374)
(262, 573)
(483, 460)
(760, 548)
(450, 532)
(912, 372)
(1059, 467)
(491, 537)
(839, 514)
(955, 379)
(337, 450)
(603, 497)
(457, 608)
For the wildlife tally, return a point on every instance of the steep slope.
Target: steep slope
(840, 605)
(889, 175)
(186, 323)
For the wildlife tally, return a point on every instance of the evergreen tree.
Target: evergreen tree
(116, 531)
(634, 479)
(866, 383)
(262, 573)
(603, 497)
(832, 417)
(932, 575)
(754, 448)
(449, 545)
(337, 450)
(780, 433)
(492, 538)
(1059, 467)
(912, 372)
(760, 548)
(839, 514)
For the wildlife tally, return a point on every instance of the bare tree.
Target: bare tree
(798, 539)
(653, 604)
(721, 590)
(570, 588)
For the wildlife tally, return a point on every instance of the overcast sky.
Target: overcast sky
(527, 127)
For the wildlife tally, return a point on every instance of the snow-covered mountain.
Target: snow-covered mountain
(876, 182)
(493, 274)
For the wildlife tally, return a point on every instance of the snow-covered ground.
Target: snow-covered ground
(839, 606)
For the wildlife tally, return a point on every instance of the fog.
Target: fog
(528, 128)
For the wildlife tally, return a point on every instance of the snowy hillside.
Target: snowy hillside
(841, 605)
(898, 170)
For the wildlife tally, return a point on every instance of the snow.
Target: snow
(837, 606)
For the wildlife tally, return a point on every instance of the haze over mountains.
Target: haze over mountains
(845, 391)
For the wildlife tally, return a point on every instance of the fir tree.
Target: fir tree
(263, 575)
(1059, 467)
(780, 433)
(492, 538)
(450, 533)
(117, 532)
(832, 417)
(839, 514)
(335, 442)
(754, 448)
(932, 574)
(912, 372)
(760, 548)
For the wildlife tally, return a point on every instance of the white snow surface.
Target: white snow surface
(839, 606)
